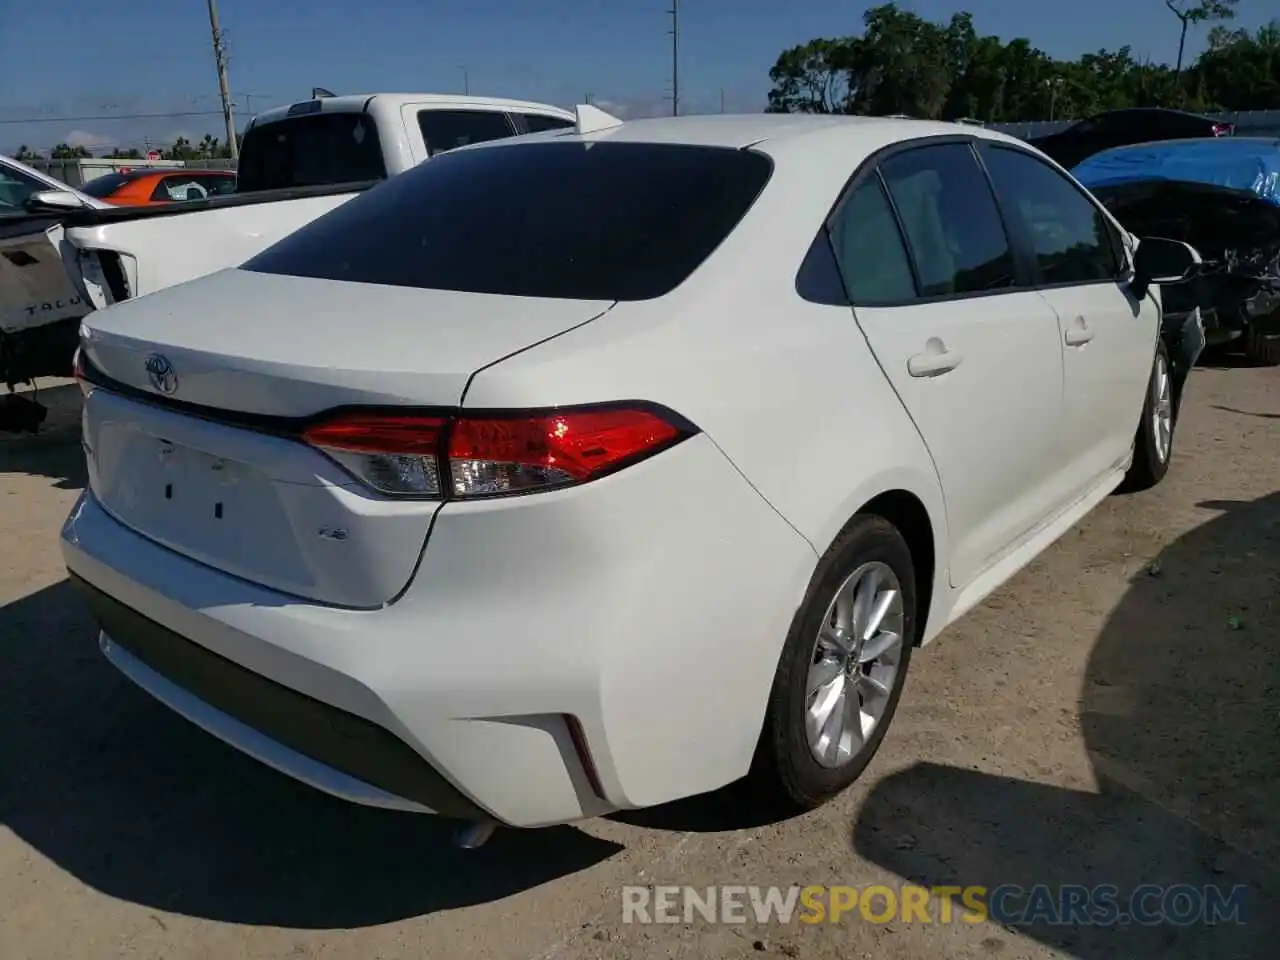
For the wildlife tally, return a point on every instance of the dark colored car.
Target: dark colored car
(1222, 196)
(1120, 128)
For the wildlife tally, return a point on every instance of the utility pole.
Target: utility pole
(220, 58)
(675, 57)
(466, 82)
(722, 99)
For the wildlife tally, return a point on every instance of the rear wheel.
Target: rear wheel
(1153, 445)
(842, 669)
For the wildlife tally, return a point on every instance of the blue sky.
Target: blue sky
(86, 60)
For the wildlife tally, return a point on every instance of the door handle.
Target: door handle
(934, 362)
(1078, 334)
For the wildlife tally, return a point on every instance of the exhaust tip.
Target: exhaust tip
(473, 836)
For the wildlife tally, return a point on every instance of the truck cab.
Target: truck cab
(297, 162)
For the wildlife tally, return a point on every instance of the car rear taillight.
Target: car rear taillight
(78, 371)
(485, 455)
(1223, 129)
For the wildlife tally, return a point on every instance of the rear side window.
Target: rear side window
(104, 186)
(445, 130)
(602, 221)
(868, 248)
(1071, 238)
(953, 225)
(536, 123)
(311, 150)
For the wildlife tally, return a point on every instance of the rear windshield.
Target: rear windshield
(601, 221)
(311, 150)
(105, 186)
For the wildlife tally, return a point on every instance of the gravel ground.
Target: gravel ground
(1111, 716)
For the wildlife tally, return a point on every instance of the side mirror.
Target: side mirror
(45, 200)
(1158, 261)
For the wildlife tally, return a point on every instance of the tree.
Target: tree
(904, 64)
(26, 154)
(811, 78)
(1198, 11)
(1241, 71)
(132, 153)
(181, 150)
(64, 151)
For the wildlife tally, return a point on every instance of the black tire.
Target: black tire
(1261, 348)
(1149, 467)
(785, 769)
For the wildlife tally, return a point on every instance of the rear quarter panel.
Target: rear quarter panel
(787, 388)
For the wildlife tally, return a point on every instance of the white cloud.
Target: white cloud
(89, 140)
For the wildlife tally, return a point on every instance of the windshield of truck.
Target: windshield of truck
(311, 150)
(594, 221)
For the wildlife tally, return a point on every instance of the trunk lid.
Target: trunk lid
(226, 487)
(290, 346)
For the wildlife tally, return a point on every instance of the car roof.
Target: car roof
(360, 103)
(1163, 111)
(1223, 144)
(137, 173)
(737, 131)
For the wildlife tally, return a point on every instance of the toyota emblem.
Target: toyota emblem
(160, 373)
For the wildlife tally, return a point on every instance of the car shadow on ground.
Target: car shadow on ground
(1180, 713)
(55, 451)
(1247, 413)
(137, 803)
(1229, 356)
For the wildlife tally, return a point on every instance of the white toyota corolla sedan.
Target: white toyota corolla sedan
(602, 467)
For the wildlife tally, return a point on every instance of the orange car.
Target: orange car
(146, 187)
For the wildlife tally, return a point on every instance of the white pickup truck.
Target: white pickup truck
(40, 309)
(296, 163)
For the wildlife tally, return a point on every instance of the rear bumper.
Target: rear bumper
(333, 750)
(555, 657)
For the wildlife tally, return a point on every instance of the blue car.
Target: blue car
(1222, 196)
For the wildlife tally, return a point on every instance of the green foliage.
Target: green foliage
(904, 64)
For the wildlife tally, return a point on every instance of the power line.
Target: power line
(118, 116)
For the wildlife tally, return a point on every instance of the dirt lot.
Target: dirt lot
(1111, 716)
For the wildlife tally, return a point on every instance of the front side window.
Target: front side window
(219, 186)
(868, 248)
(445, 130)
(179, 188)
(953, 225)
(311, 150)
(1069, 235)
(191, 187)
(15, 188)
(569, 220)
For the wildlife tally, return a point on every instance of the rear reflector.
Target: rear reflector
(492, 455)
(78, 371)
